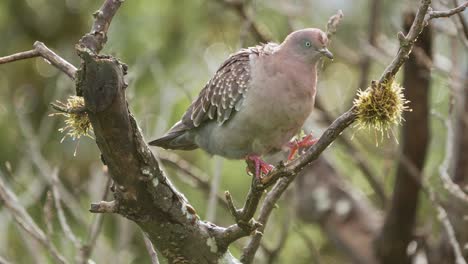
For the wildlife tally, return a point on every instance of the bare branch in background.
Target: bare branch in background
(453, 188)
(24, 220)
(461, 18)
(437, 14)
(373, 30)
(272, 254)
(449, 230)
(4, 261)
(360, 159)
(95, 228)
(314, 253)
(397, 231)
(214, 187)
(151, 251)
(45, 170)
(240, 7)
(61, 214)
(41, 50)
(48, 213)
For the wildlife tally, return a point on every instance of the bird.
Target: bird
(256, 102)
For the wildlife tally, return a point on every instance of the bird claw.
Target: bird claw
(295, 145)
(261, 167)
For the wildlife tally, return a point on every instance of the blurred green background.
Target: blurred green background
(172, 48)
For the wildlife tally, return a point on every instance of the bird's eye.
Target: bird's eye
(308, 44)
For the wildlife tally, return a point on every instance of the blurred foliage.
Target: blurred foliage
(172, 48)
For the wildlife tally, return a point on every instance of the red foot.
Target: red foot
(305, 142)
(261, 167)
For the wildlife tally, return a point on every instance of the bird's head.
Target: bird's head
(308, 45)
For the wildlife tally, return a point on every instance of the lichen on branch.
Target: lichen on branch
(380, 106)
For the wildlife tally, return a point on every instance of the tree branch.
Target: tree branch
(41, 50)
(97, 37)
(437, 14)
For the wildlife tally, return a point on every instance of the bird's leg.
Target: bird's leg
(295, 145)
(261, 167)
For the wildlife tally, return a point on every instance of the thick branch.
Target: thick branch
(143, 193)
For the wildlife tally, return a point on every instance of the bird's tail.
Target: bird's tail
(176, 138)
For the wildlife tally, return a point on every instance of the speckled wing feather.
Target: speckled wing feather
(220, 98)
(225, 92)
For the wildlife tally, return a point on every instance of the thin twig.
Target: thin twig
(19, 56)
(61, 214)
(314, 253)
(240, 7)
(453, 188)
(3, 260)
(444, 220)
(62, 109)
(462, 20)
(48, 213)
(373, 27)
(44, 168)
(95, 228)
(448, 13)
(24, 220)
(41, 50)
(214, 187)
(273, 253)
(97, 37)
(151, 251)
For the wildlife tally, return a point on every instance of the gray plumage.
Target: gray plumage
(256, 101)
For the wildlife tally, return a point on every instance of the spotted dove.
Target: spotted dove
(256, 102)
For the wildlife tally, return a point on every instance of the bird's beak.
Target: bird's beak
(325, 52)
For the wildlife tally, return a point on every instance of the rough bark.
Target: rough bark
(397, 231)
(142, 193)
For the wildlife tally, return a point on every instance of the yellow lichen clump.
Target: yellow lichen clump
(380, 106)
(77, 123)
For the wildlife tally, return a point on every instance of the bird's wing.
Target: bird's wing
(226, 90)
